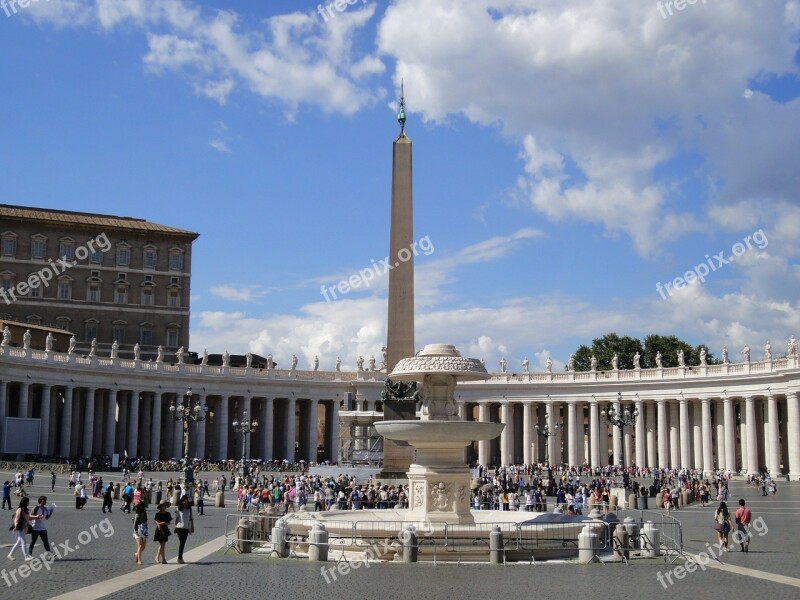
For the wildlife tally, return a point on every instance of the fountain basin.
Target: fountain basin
(438, 434)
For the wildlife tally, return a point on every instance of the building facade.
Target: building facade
(739, 417)
(98, 276)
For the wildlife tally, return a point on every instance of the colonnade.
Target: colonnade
(729, 433)
(82, 421)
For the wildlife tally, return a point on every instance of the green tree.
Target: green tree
(604, 349)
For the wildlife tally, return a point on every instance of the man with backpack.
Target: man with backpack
(107, 497)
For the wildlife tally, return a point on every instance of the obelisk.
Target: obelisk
(400, 335)
(397, 456)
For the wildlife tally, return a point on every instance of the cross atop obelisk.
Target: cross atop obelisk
(400, 333)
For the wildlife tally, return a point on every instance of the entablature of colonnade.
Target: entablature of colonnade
(43, 367)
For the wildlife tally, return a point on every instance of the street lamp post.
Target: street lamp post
(545, 432)
(187, 414)
(245, 427)
(625, 418)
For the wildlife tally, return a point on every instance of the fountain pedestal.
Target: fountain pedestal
(439, 480)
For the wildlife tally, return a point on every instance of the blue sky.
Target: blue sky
(568, 156)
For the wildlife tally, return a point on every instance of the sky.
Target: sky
(571, 158)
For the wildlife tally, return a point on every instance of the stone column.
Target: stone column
(752, 437)
(313, 430)
(697, 429)
(88, 422)
(44, 439)
(111, 422)
(603, 438)
(483, 445)
(594, 434)
(730, 435)
(526, 433)
(674, 435)
(683, 409)
(133, 425)
(719, 434)
(663, 457)
(638, 428)
(773, 450)
(99, 405)
(551, 441)
(24, 400)
(708, 458)
(267, 424)
(155, 433)
(572, 422)
(616, 436)
(222, 425)
(335, 451)
(793, 433)
(743, 432)
(3, 399)
(652, 456)
(557, 457)
(200, 431)
(66, 423)
(504, 435)
(291, 409)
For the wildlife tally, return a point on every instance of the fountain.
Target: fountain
(439, 480)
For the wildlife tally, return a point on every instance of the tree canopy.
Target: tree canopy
(626, 347)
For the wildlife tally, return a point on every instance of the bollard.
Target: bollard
(219, 500)
(116, 491)
(651, 540)
(496, 546)
(410, 545)
(632, 529)
(620, 543)
(631, 500)
(588, 545)
(244, 536)
(279, 539)
(684, 498)
(641, 503)
(318, 543)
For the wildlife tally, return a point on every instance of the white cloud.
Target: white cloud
(250, 293)
(220, 146)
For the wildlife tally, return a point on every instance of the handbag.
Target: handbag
(718, 527)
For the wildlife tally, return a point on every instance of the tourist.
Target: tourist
(52, 481)
(22, 519)
(184, 525)
(127, 497)
(140, 531)
(723, 524)
(107, 497)
(7, 494)
(743, 519)
(162, 520)
(40, 524)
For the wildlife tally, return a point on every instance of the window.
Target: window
(146, 334)
(63, 323)
(121, 278)
(174, 280)
(9, 244)
(95, 275)
(176, 260)
(172, 338)
(7, 280)
(38, 247)
(148, 296)
(65, 288)
(148, 279)
(36, 289)
(149, 257)
(123, 255)
(66, 248)
(119, 331)
(121, 295)
(174, 300)
(93, 292)
(96, 257)
(90, 330)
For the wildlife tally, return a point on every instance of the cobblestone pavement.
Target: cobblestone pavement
(774, 552)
